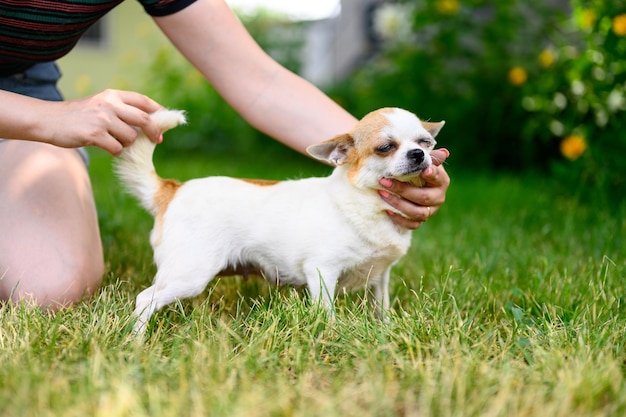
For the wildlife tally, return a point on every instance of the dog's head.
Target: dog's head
(389, 142)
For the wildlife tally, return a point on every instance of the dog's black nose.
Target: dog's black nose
(416, 155)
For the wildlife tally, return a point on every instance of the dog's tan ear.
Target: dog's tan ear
(433, 128)
(334, 151)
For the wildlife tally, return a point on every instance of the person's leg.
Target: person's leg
(50, 248)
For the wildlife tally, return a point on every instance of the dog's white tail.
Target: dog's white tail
(134, 166)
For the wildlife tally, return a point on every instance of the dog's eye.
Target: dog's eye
(426, 143)
(386, 148)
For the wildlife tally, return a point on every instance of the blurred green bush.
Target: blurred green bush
(577, 98)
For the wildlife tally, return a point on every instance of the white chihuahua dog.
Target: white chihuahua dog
(327, 233)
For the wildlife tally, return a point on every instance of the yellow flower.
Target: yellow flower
(587, 19)
(619, 25)
(573, 146)
(447, 7)
(546, 58)
(517, 76)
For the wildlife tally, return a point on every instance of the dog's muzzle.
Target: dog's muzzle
(416, 156)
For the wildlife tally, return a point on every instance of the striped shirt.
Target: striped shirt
(34, 31)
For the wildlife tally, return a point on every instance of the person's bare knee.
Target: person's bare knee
(50, 253)
(74, 287)
(67, 285)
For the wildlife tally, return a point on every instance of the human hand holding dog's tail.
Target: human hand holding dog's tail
(109, 120)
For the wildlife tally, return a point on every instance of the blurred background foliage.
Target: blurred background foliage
(523, 86)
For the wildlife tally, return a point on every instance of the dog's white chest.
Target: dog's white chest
(370, 269)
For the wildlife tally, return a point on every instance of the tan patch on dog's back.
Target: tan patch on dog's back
(166, 193)
(162, 199)
(261, 183)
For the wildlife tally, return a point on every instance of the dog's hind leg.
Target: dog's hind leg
(145, 306)
(168, 288)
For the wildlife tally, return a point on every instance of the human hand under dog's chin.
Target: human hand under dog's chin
(418, 204)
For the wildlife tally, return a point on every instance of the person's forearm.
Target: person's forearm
(20, 117)
(298, 114)
(268, 96)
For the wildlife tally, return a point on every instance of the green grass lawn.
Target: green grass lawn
(510, 303)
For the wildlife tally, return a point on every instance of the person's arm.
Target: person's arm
(102, 120)
(278, 102)
(270, 97)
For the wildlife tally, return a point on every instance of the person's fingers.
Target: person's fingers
(404, 222)
(436, 175)
(122, 132)
(439, 156)
(413, 211)
(418, 204)
(433, 195)
(111, 145)
(136, 112)
(131, 108)
(139, 101)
